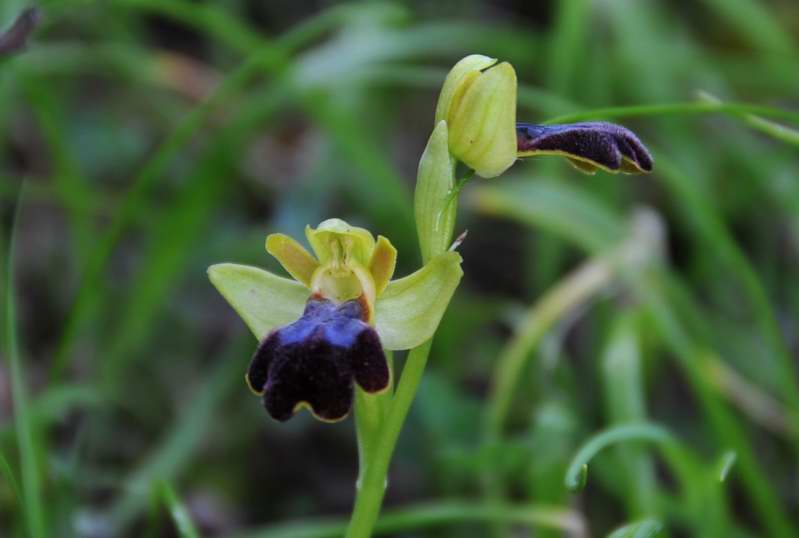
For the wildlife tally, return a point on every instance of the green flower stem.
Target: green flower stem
(433, 204)
(372, 484)
(456, 190)
(371, 411)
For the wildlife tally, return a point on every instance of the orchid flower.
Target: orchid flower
(326, 329)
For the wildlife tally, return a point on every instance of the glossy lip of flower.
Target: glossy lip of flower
(589, 146)
(327, 328)
(312, 362)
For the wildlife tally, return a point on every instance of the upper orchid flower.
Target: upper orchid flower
(328, 327)
(478, 103)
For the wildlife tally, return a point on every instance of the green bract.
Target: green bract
(349, 264)
(478, 102)
(435, 206)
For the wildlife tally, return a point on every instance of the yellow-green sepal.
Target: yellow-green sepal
(263, 300)
(408, 312)
(293, 257)
(382, 263)
(435, 207)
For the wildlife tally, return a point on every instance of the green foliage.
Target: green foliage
(180, 515)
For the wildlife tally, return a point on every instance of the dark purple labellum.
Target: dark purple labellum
(14, 39)
(588, 145)
(315, 360)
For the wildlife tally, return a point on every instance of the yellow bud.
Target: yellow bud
(478, 102)
(459, 78)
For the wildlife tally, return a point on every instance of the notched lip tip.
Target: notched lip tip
(304, 405)
(251, 387)
(377, 392)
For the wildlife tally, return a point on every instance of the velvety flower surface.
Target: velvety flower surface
(325, 331)
(313, 362)
(588, 146)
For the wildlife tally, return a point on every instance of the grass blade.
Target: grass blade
(33, 504)
(775, 130)
(754, 20)
(181, 517)
(88, 293)
(710, 228)
(639, 529)
(624, 394)
(690, 355)
(677, 109)
(437, 514)
(177, 231)
(578, 468)
(177, 448)
(8, 473)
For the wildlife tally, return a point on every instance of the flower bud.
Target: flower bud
(478, 102)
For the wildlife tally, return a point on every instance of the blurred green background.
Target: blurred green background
(156, 137)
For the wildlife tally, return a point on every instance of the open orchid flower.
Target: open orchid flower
(589, 146)
(326, 329)
(478, 103)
